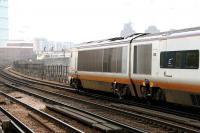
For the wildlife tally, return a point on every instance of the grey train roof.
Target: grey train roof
(138, 37)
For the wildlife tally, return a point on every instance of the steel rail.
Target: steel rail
(168, 124)
(127, 102)
(73, 129)
(18, 125)
(126, 127)
(118, 110)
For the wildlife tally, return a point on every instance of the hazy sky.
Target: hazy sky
(85, 20)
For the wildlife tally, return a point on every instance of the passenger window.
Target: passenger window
(104, 60)
(170, 58)
(192, 60)
(162, 60)
(180, 59)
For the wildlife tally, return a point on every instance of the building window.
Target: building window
(180, 59)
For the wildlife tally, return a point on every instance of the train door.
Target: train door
(142, 61)
(141, 65)
(163, 72)
(155, 59)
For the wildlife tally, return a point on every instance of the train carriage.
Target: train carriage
(99, 64)
(168, 61)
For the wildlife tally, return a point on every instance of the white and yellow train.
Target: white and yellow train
(166, 64)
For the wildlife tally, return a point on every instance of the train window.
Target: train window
(192, 60)
(119, 60)
(90, 60)
(180, 59)
(103, 60)
(106, 61)
(109, 60)
(142, 59)
(170, 58)
(113, 59)
(162, 58)
(123, 60)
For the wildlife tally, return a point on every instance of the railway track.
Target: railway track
(36, 120)
(96, 122)
(131, 116)
(161, 108)
(9, 123)
(53, 101)
(85, 123)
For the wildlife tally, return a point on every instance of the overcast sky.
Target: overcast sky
(85, 20)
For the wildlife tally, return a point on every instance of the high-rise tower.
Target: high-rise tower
(3, 22)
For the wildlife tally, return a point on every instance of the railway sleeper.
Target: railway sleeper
(87, 119)
(9, 123)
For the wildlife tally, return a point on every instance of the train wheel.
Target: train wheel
(146, 95)
(122, 91)
(71, 83)
(76, 84)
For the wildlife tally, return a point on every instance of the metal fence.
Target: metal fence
(49, 72)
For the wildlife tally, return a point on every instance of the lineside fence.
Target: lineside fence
(39, 70)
